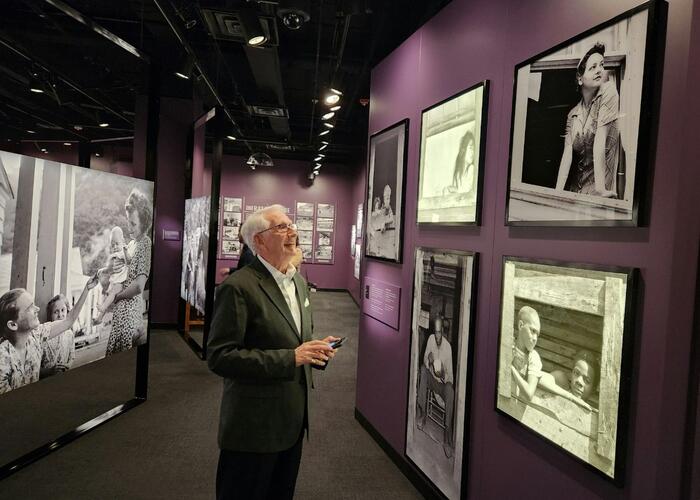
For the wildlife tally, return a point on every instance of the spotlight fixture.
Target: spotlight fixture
(97, 154)
(44, 150)
(104, 124)
(31, 132)
(323, 146)
(67, 144)
(294, 13)
(328, 125)
(101, 120)
(35, 84)
(335, 108)
(325, 132)
(259, 159)
(230, 137)
(184, 68)
(328, 116)
(331, 99)
(318, 165)
(319, 157)
(252, 29)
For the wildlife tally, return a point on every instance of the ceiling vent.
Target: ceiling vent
(269, 111)
(227, 26)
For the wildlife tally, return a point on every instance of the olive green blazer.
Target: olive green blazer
(251, 344)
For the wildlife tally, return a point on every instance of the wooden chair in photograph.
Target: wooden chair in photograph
(436, 409)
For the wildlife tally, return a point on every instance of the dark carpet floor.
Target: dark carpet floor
(166, 447)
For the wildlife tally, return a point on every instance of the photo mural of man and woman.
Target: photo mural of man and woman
(563, 335)
(74, 266)
(440, 366)
(577, 121)
(195, 248)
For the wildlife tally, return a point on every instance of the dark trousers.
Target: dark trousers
(258, 476)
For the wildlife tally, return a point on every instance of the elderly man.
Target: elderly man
(260, 342)
(436, 375)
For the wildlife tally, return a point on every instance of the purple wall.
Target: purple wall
(470, 41)
(358, 196)
(286, 183)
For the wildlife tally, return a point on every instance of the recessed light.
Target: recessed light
(231, 137)
(67, 144)
(104, 124)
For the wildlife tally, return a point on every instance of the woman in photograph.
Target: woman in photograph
(592, 140)
(127, 321)
(463, 174)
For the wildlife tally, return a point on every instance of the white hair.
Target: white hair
(257, 222)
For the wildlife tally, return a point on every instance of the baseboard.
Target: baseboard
(163, 326)
(421, 483)
(332, 289)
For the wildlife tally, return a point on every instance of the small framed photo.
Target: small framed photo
(453, 139)
(581, 131)
(324, 254)
(305, 223)
(307, 252)
(385, 193)
(326, 210)
(325, 238)
(230, 247)
(324, 224)
(233, 204)
(230, 232)
(232, 219)
(306, 237)
(564, 364)
(437, 428)
(305, 209)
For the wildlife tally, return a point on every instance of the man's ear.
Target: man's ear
(12, 326)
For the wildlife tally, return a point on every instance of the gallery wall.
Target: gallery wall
(470, 41)
(358, 197)
(287, 183)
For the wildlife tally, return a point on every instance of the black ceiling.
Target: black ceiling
(92, 59)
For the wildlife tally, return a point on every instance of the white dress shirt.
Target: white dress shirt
(288, 288)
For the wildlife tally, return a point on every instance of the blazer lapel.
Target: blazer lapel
(302, 297)
(273, 292)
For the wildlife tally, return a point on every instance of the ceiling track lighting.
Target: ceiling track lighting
(252, 29)
(328, 125)
(294, 13)
(231, 137)
(323, 146)
(185, 67)
(328, 116)
(324, 132)
(335, 108)
(35, 84)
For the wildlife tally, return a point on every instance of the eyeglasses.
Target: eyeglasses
(281, 228)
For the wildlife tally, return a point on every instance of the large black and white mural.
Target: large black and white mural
(75, 262)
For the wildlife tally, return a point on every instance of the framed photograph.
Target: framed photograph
(325, 238)
(326, 210)
(453, 139)
(360, 218)
(324, 254)
(230, 232)
(564, 358)
(358, 258)
(581, 126)
(386, 182)
(233, 204)
(306, 237)
(305, 209)
(230, 247)
(307, 252)
(232, 219)
(195, 248)
(440, 368)
(353, 237)
(324, 224)
(305, 223)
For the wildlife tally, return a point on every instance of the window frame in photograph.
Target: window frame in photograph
(583, 204)
(629, 308)
(480, 149)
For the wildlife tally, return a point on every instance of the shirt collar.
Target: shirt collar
(276, 273)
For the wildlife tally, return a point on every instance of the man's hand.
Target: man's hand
(313, 352)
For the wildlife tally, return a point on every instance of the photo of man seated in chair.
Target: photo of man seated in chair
(435, 399)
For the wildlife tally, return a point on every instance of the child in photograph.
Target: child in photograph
(579, 384)
(118, 251)
(23, 338)
(526, 367)
(59, 352)
(102, 319)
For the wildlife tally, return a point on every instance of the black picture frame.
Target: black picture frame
(587, 315)
(384, 228)
(454, 301)
(541, 192)
(465, 118)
